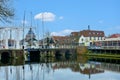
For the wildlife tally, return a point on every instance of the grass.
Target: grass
(103, 55)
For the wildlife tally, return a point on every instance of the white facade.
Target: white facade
(86, 41)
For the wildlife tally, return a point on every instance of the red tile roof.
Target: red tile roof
(114, 36)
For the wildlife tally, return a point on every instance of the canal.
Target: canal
(61, 68)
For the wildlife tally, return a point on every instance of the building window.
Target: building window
(94, 38)
(82, 39)
(90, 38)
(98, 38)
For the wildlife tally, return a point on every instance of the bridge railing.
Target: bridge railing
(111, 47)
(105, 47)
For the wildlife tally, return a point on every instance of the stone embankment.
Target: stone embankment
(81, 50)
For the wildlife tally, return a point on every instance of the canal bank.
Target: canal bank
(99, 52)
(104, 52)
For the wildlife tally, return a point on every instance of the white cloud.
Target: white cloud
(45, 16)
(61, 17)
(62, 33)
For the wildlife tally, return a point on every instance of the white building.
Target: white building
(87, 37)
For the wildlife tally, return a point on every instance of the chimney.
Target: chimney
(88, 27)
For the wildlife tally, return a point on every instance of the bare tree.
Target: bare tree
(6, 12)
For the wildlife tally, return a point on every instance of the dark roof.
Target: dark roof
(92, 33)
(61, 39)
(33, 39)
(74, 34)
(30, 32)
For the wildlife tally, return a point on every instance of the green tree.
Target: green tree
(6, 12)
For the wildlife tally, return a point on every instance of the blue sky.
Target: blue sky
(70, 15)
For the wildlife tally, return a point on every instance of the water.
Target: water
(79, 68)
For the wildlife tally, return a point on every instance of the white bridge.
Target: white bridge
(10, 37)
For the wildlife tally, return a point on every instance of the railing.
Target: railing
(105, 47)
(111, 47)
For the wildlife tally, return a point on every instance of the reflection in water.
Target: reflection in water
(105, 59)
(90, 68)
(60, 69)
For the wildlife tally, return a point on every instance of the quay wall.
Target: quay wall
(36, 54)
(11, 53)
(81, 50)
(105, 51)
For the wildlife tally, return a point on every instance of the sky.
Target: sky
(61, 17)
